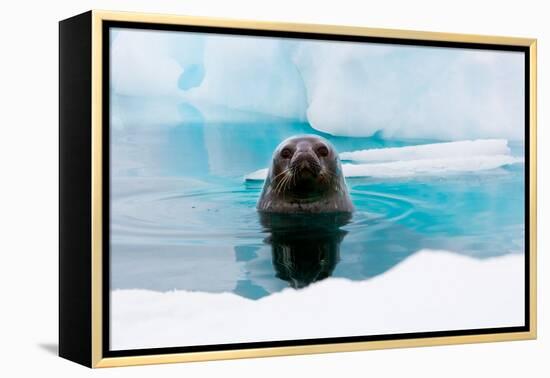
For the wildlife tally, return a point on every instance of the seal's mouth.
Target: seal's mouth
(306, 167)
(306, 171)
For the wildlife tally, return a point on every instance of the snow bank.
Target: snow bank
(430, 291)
(427, 159)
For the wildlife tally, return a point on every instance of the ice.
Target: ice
(429, 166)
(250, 74)
(341, 88)
(412, 92)
(427, 159)
(465, 148)
(150, 64)
(258, 175)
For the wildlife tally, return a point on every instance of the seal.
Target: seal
(306, 177)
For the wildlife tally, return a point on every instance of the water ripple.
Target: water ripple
(214, 215)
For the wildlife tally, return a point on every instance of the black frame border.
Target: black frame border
(105, 27)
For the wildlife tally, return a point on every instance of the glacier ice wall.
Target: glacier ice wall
(416, 92)
(155, 63)
(340, 88)
(251, 74)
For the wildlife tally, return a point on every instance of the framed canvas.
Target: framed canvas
(236, 189)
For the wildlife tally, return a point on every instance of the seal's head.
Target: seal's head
(305, 176)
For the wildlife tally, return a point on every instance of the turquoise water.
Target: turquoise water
(182, 217)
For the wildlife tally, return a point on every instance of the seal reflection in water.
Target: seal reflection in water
(305, 247)
(303, 204)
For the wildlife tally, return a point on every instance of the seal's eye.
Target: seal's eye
(286, 153)
(322, 151)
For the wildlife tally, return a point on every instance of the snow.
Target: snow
(430, 291)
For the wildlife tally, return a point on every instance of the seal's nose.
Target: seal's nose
(304, 164)
(306, 169)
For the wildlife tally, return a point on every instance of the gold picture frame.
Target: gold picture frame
(82, 330)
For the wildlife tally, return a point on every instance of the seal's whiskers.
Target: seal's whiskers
(282, 184)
